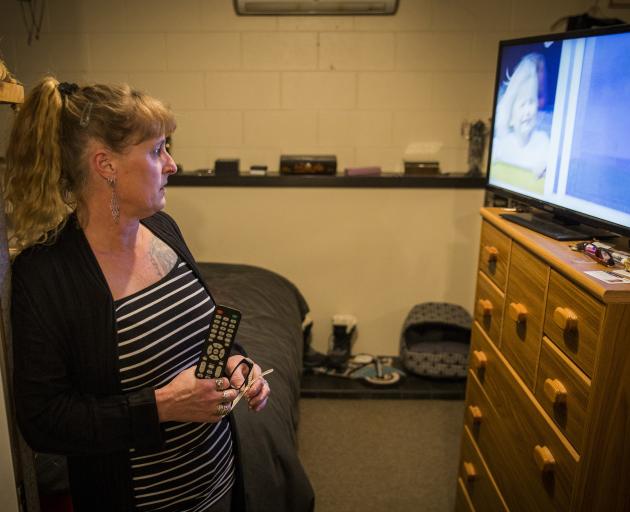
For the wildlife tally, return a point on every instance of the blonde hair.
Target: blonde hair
(46, 167)
(527, 69)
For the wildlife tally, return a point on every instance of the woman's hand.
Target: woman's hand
(258, 394)
(187, 398)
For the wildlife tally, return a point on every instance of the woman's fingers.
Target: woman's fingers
(258, 394)
(221, 384)
(187, 398)
(223, 409)
(261, 405)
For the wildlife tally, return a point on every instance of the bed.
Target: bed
(273, 310)
(271, 332)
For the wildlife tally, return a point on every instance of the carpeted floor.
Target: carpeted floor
(381, 455)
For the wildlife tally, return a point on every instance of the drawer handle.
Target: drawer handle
(518, 312)
(491, 253)
(544, 459)
(565, 318)
(485, 307)
(469, 471)
(474, 414)
(479, 359)
(555, 391)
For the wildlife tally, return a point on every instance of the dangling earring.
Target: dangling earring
(113, 203)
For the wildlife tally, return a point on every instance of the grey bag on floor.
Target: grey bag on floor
(435, 340)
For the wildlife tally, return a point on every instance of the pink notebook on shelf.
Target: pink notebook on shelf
(362, 171)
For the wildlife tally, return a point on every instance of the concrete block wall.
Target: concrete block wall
(371, 90)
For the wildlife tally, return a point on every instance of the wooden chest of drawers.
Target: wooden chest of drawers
(547, 424)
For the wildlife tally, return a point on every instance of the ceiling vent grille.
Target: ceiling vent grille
(315, 7)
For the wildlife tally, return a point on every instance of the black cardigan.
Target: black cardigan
(68, 396)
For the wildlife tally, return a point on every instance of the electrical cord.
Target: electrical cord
(34, 24)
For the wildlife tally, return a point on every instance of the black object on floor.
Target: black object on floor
(410, 387)
(310, 357)
(339, 353)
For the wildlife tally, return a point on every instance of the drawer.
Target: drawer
(572, 321)
(489, 307)
(523, 313)
(478, 413)
(462, 500)
(563, 391)
(480, 419)
(494, 254)
(473, 472)
(532, 463)
(483, 362)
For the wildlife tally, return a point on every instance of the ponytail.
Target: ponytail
(47, 167)
(31, 184)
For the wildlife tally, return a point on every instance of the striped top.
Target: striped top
(161, 330)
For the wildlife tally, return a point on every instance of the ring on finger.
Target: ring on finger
(225, 396)
(222, 409)
(220, 383)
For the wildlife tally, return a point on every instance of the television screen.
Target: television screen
(561, 124)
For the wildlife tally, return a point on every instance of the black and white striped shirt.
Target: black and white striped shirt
(161, 330)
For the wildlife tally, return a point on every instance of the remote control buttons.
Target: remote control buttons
(216, 351)
(223, 328)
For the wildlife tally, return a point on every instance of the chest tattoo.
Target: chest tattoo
(162, 257)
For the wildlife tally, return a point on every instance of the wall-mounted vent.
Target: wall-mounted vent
(315, 7)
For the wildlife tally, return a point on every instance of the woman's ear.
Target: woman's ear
(101, 161)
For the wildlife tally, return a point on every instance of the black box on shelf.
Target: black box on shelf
(308, 164)
(226, 167)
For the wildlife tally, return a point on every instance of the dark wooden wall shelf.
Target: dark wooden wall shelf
(197, 179)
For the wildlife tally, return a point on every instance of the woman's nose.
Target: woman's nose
(170, 166)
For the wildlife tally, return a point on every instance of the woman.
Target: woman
(109, 311)
(517, 141)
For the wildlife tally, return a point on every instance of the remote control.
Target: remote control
(216, 349)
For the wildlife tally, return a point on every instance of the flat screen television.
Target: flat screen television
(560, 137)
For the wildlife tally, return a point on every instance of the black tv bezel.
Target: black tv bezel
(545, 206)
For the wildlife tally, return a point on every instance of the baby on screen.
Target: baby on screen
(517, 141)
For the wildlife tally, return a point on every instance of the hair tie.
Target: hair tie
(67, 88)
